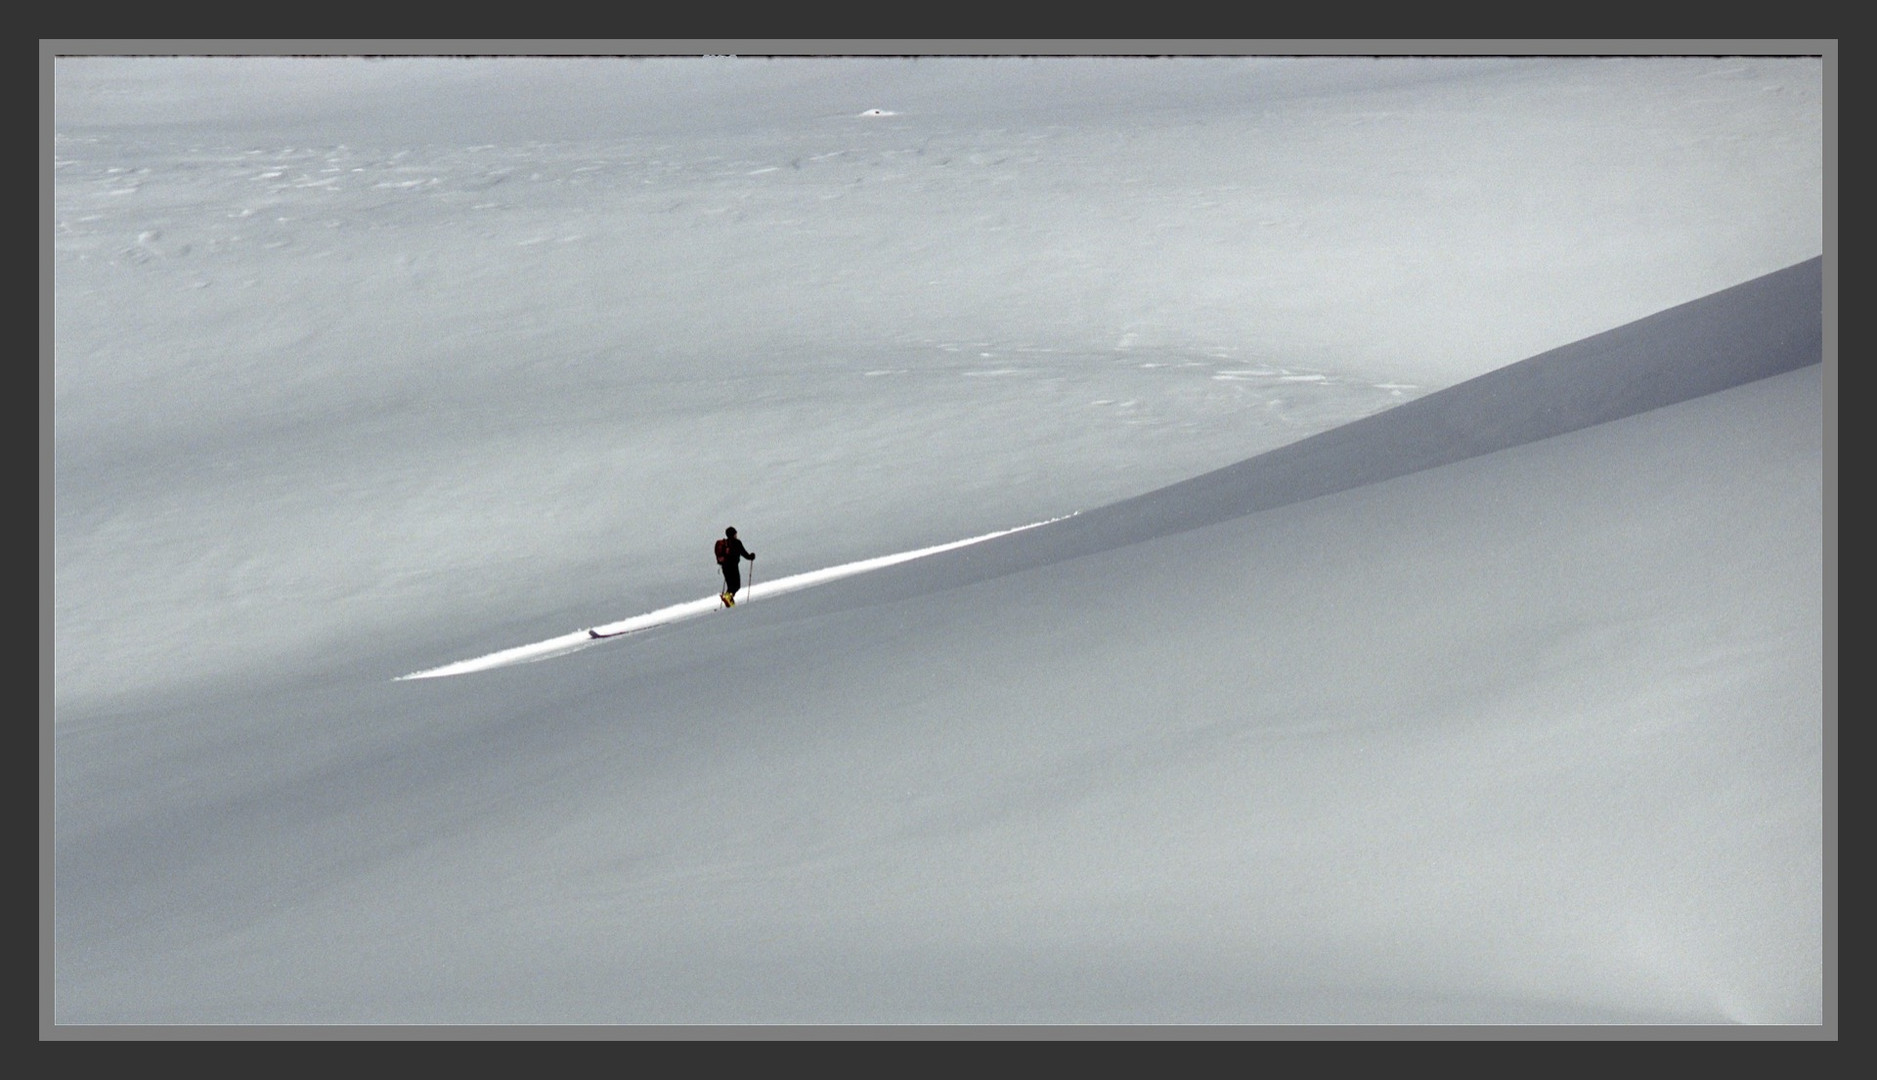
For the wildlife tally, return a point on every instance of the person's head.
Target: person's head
(730, 531)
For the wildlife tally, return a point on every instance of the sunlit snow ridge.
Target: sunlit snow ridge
(690, 609)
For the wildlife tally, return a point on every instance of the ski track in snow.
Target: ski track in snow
(580, 639)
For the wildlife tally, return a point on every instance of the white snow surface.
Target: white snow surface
(361, 367)
(690, 609)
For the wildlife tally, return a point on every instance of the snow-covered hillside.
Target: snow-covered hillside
(1356, 687)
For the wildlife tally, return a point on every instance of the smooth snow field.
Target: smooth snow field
(1254, 542)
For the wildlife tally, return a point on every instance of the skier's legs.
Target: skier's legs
(732, 578)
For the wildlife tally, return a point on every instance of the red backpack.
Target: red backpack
(723, 548)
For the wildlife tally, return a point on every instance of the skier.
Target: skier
(730, 556)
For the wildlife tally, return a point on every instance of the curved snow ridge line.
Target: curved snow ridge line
(691, 609)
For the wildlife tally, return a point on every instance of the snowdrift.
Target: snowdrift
(1754, 330)
(1526, 736)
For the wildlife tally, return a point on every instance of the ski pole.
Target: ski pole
(750, 589)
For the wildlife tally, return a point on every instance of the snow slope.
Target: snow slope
(1532, 736)
(1375, 678)
(346, 350)
(690, 609)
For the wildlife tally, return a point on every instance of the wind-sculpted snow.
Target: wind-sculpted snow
(1754, 330)
(690, 609)
(1510, 704)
